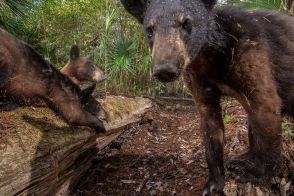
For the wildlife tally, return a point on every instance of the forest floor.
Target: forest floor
(164, 154)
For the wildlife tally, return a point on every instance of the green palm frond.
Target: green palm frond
(13, 7)
(11, 12)
(121, 55)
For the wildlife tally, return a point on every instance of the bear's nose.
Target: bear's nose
(165, 72)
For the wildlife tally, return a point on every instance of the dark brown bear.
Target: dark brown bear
(26, 77)
(80, 69)
(247, 55)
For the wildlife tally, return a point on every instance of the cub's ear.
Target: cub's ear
(136, 7)
(74, 53)
(88, 91)
(209, 4)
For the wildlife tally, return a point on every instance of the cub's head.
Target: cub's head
(82, 68)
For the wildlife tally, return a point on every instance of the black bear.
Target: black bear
(247, 55)
(80, 69)
(26, 77)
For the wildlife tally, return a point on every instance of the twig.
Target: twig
(141, 186)
(156, 101)
(176, 99)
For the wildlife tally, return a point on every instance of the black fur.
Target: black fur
(247, 55)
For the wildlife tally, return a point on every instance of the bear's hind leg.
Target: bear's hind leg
(264, 154)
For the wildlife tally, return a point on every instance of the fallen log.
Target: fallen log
(42, 155)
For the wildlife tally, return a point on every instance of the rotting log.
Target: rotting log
(42, 155)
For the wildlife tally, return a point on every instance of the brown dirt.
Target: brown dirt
(164, 155)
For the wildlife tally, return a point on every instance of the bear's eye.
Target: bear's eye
(150, 31)
(187, 25)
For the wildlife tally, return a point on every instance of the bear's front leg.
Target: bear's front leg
(207, 99)
(213, 135)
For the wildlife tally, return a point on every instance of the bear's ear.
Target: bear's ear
(136, 7)
(74, 53)
(209, 4)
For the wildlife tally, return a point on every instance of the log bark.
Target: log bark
(42, 155)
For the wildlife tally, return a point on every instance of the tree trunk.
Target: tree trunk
(290, 6)
(42, 155)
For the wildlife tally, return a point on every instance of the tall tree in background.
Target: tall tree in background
(290, 6)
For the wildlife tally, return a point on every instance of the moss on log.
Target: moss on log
(43, 155)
